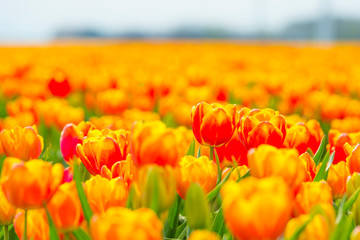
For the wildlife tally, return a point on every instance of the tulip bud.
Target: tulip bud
(157, 187)
(236, 174)
(7, 211)
(122, 223)
(337, 177)
(41, 181)
(23, 143)
(352, 184)
(65, 208)
(103, 193)
(213, 124)
(37, 225)
(197, 208)
(355, 235)
(203, 235)
(195, 170)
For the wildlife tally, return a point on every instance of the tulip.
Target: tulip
(264, 204)
(103, 193)
(316, 134)
(203, 235)
(256, 127)
(337, 141)
(37, 225)
(234, 151)
(59, 84)
(24, 143)
(112, 101)
(213, 124)
(309, 165)
(156, 184)
(297, 136)
(122, 223)
(7, 211)
(311, 194)
(103, 148)
(72, 135)
(65, 208)
(123, 169)
(30, 184)
(266, 161)
(195, 170)
(337, 176)
(353, 157)
(319, 227)
(154, 143)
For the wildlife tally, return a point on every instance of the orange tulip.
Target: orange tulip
(213, 124)
(123, 169)
(203, 235)
(37, 225)
(264, 204)
(103, 193)
(30, 184)
(355, 235)
(264, 126)
(297, 136)
(353, 157)
(24, 143)
(71, 136)
(103, 149)
(266, 161)
(199, 170)
(309, 165)
(7, 211)
(338, 174)
(337, 141)
(122, 223)
(65, 208)
(311, 194)
(233, 151)
(319, 227)
(154, 143)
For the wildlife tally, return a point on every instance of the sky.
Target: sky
(39, 20)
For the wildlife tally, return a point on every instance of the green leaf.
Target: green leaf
(331, 159)
(348, 204)
(322, 173)
(218, 224)
(247, 174)
(199, 152)
(173, 218)
(218, 166)
(181, 230)
(191, 150)
(320, 151)
(130, 198)
(80, 234)
(52, 229)
(343, 228)
(83, 200)
(213, 194)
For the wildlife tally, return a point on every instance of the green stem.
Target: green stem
(6, 232)
(217, 163)
(25, 226)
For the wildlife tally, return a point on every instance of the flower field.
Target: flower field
(180, 140)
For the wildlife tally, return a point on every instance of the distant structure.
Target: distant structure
(325, 28)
